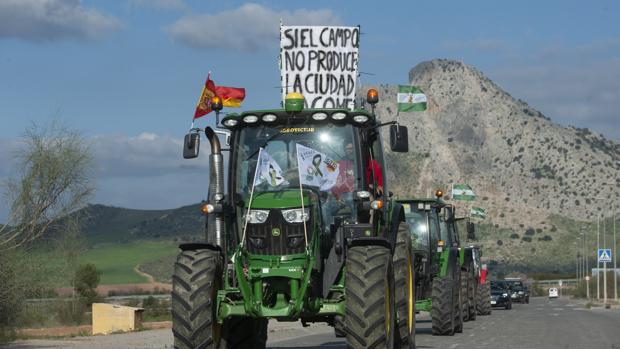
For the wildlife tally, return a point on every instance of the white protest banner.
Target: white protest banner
(320, 62)
(316, 169)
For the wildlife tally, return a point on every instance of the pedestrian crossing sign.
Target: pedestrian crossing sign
(604, 255)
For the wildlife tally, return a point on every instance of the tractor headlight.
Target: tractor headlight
(296, 215)
(230, 122)
(504, 294)
(339, 116)
(520, 292)
(250, 119)
(258, 216)
(360, 118)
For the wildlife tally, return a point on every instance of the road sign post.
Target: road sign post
(604, 256)
(588, 286)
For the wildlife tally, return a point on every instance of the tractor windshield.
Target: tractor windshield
(278, 160)
(418, 223)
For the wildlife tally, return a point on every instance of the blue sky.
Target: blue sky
(127, 73)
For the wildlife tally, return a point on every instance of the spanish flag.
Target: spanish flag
(204, 103)
(231, 97)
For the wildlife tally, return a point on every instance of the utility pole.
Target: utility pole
(598, 264)
(614, 257)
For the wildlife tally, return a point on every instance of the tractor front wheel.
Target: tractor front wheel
(472, 294)
(404, 281)
(195, 282)
(442, 311)
(196, 279)
(483, 305)
(369, 311)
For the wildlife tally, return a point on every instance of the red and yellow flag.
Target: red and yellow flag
(204, 103)
(231, 97)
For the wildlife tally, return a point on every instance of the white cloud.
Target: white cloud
(247, 28)
(145, 155)
(161, 4)
(46, 20)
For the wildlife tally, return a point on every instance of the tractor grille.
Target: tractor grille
(262, 240)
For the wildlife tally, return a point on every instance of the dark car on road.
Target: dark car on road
(500, 294)
(518, 290)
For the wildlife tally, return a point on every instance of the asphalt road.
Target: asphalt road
(541, 324)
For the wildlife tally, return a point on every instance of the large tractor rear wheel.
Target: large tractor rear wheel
(195, 282)
(404, 281)
(483, 306)
(442, 311)
(369, 311)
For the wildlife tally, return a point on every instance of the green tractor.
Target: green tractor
(302, 228)
(437, 261)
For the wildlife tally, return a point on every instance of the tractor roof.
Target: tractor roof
(316, 116)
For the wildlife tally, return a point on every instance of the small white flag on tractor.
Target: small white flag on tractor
(463, 192)
(268, 171)
(316, 169)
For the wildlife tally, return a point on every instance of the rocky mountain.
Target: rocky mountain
(538, 181)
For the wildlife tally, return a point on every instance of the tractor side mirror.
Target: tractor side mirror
(471, 231)
(191, 145)
(399, 140)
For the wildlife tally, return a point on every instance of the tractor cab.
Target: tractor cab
(332, 158)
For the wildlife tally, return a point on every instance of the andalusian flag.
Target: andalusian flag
(478, 212)
(411, 98)
(463, 192)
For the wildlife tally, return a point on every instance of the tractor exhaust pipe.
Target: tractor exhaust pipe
(215, 222)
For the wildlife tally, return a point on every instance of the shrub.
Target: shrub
(545, 238)
(514, 236)
(500, 242)
(527, 239)
(530, 232)
(86, 280)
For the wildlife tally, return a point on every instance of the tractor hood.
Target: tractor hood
(279, 199)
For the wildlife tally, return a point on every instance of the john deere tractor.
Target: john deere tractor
(301, 227)
(437, 261)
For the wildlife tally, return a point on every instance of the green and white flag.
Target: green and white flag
(411, 98)
(463, 192)
(478, 212)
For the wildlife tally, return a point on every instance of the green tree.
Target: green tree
(53, 171)
(86, 280)
(54, 166)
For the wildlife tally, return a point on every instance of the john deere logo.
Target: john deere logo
(275, 232)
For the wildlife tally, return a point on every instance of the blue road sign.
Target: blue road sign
(604, 255)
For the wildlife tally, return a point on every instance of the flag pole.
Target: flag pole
(301, 194)
(247, 213)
